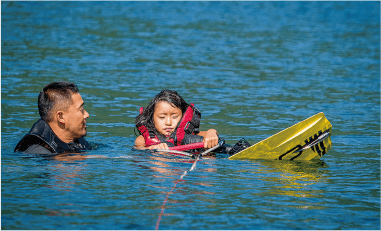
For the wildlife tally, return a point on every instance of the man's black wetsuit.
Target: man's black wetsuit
(42, 140)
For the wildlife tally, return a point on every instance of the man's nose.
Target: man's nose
(86, 115)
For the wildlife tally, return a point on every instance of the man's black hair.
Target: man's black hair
(55, 94)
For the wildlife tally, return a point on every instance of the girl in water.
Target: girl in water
(169, 121)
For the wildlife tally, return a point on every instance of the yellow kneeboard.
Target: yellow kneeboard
(306, 140)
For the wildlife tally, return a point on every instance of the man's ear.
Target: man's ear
(60, 117)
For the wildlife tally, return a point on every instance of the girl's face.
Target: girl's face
(166, 117)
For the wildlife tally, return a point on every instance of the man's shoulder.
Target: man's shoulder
(35, 140)
(37, 149)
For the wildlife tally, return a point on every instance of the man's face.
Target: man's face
(75, 118)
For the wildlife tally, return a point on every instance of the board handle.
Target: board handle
(188, 146)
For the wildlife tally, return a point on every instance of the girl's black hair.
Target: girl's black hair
(169, 96)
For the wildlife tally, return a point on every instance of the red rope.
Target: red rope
(163, 206)
(166, 198)
(181, 177)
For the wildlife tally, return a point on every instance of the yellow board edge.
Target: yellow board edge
(283, 145)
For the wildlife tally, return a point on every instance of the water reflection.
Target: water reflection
(291, 178)
(177, 181)
(65, 171)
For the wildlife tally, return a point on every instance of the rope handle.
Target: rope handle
(188, 146)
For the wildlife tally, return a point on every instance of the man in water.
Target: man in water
(62, 125)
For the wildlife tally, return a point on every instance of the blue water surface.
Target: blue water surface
(252, 68)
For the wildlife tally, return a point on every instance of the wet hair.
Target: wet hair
(169, 96)
(54, 96)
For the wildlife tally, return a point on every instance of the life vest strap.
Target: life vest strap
(149, 136)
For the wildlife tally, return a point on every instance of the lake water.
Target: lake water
(252, 68)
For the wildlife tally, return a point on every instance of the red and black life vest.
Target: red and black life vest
(189, 124)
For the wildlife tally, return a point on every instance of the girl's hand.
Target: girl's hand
(210, 138)
(159, 146)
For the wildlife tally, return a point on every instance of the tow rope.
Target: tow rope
(182, 176)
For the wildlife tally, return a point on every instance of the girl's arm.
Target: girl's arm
(140, 144)
(210, 138)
